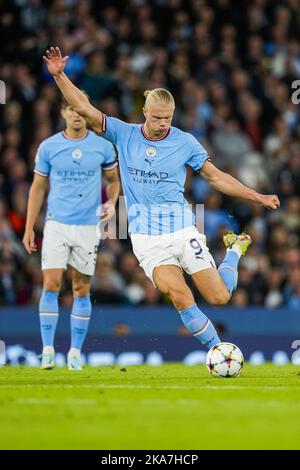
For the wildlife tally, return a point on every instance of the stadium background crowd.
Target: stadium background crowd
(230, 65)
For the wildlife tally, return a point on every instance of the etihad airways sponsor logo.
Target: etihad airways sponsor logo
(78, 173)
(75, 176)
(159, 175)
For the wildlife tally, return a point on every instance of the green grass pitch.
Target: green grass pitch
(168, 407)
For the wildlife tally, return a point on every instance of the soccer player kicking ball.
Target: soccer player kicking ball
(153, 159)
(72, 160)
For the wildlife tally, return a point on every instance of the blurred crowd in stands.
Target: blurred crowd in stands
(230, 65)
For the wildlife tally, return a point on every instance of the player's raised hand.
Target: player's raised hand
(108, 211)
(54, 60)
(29, 241)
(270, 201)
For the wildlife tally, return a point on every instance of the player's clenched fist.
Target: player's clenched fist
(270, 201)
(54, 60)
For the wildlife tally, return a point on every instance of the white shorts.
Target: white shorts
(185, 248)
(74, 245)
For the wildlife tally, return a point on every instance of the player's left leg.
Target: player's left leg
(169, 280)
(215, 286)
(82, 259)
(80, 316)
(236, 246)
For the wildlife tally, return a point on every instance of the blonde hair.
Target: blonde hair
(159, 95)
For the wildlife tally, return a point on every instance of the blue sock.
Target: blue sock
(228, 270)
(200, 326)
(80, 318)
(48, 309)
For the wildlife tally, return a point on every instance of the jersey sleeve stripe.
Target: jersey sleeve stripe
(40, 173)
(110, 166)
(207, 159)
(103, 130)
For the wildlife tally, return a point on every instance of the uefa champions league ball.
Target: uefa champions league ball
(224, 360)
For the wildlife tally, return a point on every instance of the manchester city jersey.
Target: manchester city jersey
(153, 174)
(74, 167)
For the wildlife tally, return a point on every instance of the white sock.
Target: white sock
(74, 352)
(48, 350)
(237, 249)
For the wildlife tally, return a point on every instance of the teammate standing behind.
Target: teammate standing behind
(153, 160)
(72, 160)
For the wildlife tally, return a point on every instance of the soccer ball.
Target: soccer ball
(224, 360)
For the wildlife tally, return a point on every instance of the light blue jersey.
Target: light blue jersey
(74, 167)
(153, 174)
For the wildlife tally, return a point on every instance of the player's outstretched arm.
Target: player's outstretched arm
(76, 99)
(35, 201)
(228, 185)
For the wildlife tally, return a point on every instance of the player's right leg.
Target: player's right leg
(55, 252)
(211, 286)
(158, 259)
(170, 281)
(48, 313)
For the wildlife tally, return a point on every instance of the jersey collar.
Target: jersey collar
(75, 140)
(164, 136)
